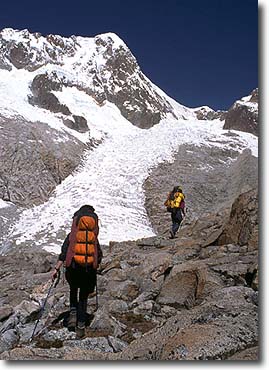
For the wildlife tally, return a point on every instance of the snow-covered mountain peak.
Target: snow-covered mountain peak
(102, 66)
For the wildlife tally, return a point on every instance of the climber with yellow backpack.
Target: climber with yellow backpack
(175, 204)
(81, 254)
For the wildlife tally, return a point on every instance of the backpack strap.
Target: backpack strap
(72, 241)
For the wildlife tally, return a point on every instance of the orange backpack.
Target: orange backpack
(85, 247)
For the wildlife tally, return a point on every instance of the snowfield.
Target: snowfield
(112, 175)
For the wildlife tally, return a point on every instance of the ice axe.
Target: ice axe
(98, 272)
(53, 285)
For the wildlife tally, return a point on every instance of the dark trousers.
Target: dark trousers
(177, 218)
(82, 282)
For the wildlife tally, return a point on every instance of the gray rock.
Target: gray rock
(183, 286)
(95, 344)
(59, 335)
(5, 312)
(25, 331)
(103, 321)
(126, 290)
(26, 310)
(206, 113)
(117, 344)
(10, 323)
(144, 296)
(51, 160)
(204, 333)
(144, 308)
(8, 340)
(243, 116)
(118, 306)
(242, 227)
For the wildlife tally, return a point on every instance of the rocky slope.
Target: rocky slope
(196, 169)
(34, 159)
(191, 298)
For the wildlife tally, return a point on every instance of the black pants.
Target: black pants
(82, 282)
(177, 218)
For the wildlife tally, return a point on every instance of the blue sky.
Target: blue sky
(198, 52)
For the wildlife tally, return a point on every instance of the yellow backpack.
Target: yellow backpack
(174, 200)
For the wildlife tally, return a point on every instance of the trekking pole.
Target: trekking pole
(53, 284)
(96, 291)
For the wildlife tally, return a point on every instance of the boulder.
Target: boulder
(242, 227)
(8, 340)
(5, 312)
(183, 285)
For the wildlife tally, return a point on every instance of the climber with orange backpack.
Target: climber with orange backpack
(175, 204)
(81, 254)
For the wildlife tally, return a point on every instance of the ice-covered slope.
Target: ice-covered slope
(112, 175)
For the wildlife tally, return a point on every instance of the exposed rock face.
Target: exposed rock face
(159, 299)
(128, 88)
(243, 115)
(206, 113)
(53, 156)
(42, 89)
(242, 227)
(32, 51)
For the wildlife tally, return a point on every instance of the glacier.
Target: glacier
(111, 176)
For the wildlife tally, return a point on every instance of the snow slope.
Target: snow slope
(112, 175)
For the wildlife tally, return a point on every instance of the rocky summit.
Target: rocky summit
(81, 124)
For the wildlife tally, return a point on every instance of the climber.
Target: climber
(81, 254)
(175, 204)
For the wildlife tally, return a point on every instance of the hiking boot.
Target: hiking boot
(80, 330)
(72, 320)
(172, 235)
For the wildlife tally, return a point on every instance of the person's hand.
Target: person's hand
(54, 274)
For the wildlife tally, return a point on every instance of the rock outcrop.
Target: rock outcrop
(242, 227)
(35, 158)
(244, 115)
(207, 113)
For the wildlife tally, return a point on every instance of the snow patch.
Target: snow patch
(4, 204)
